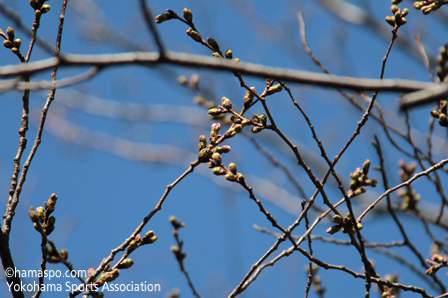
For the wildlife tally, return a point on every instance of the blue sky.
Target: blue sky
(103, 196)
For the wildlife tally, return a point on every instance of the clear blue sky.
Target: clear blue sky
(103, 197)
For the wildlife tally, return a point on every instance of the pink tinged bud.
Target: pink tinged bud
(90, 271)
(238, 128)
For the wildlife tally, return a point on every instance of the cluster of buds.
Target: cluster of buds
(210, 153)
(399, 17)
(441, 113)
(41, 218)
(233, 175)
(442, 60)
(436, 263)
(408, 195)
(108, 276)
(359, 180)
(39, 6)
(390, 292)
(344, 223)
(428, 6)
(10, 41)
(169, 15)
(230, 133)
(53, 256)
(230, 172)
(316, 280)
(149, 238)
(225, 107)
(259, 122)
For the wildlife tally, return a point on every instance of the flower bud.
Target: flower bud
(40, 213)
(194, 35)
(163, 17)
(249, 97)
(188, 15)
(212, 42)
(257, 129)
(394, 9)
(226, 103)
(223, 149)
(274, 89)
(218, 171)
(337, 218)
(238, 128)
(10, 32)
(334, 229)
(204, 155)
(240, 178)
(202, 142)
(390, 20)
(366, 167)
(17, 43)
(229, 54)
(45, 8)
(7, 44)
(53, 199)
(215, 128)
(64, 254)
(182, 80)
(126, 263)
(150, 237)
(217, 157)
(404, 12)
(33, 215)
(35, 4)
(230, 177)
(231, 133)
(216, 112)
(232, 168)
